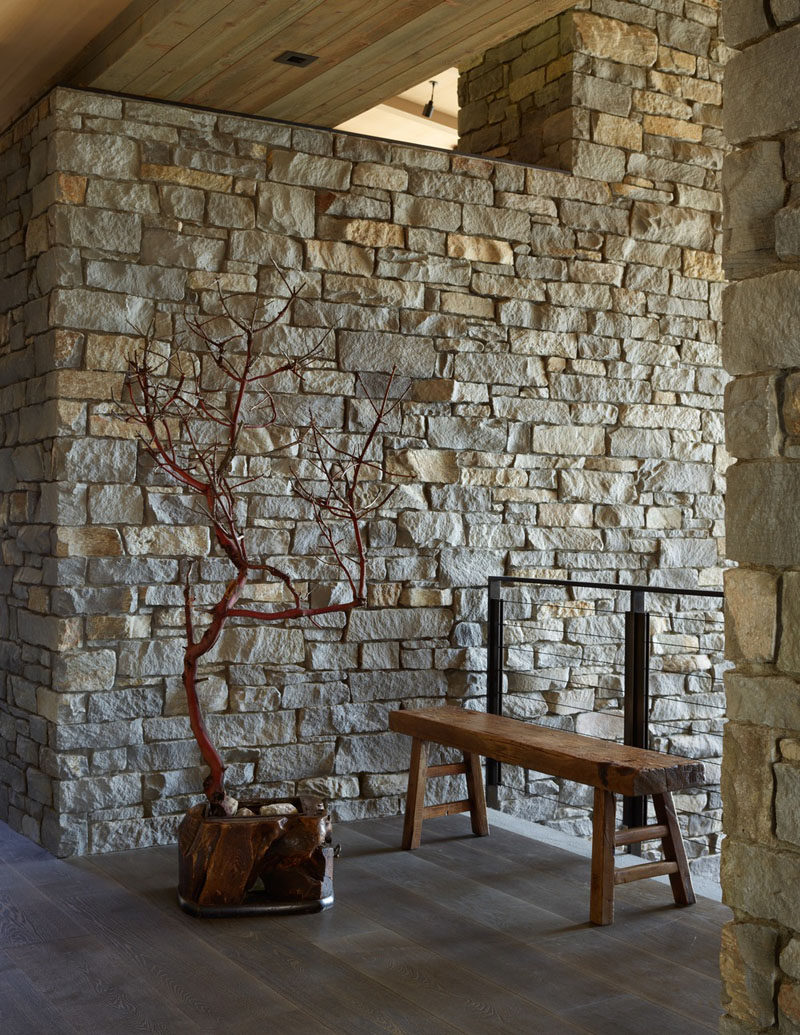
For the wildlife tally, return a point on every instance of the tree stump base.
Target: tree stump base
(253, 865)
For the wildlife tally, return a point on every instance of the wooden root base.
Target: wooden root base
(249, 866)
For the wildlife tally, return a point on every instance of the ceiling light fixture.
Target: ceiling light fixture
(427, 111)
(294, 57)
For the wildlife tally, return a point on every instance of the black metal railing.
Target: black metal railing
(636, 671)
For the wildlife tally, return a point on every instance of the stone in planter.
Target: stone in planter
(249, 865)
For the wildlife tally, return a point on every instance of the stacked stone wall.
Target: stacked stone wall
(629, 93)
(32, 352)
(761, 772)
(559, 344)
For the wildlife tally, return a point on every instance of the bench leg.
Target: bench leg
(415, 800)
(672, 844)
(601, 907)
(476, 795)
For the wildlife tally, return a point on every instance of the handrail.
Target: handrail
(637, 664)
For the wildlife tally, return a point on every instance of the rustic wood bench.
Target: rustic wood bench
(608, 767)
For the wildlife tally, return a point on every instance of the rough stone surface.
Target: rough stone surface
(561, 416)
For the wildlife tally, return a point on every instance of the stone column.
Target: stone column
(626, 93)
(761, 348)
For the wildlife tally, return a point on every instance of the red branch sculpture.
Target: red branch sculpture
(192, 407)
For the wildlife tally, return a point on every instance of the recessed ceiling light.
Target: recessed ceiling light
(294, 57)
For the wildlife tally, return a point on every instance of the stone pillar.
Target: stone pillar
(761, 348)
(631, 99)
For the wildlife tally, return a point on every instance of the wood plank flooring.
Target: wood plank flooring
(464, 935)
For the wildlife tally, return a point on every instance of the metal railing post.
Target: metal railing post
(494, 679)
(637, 679)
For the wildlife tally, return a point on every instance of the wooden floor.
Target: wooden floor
(465, 935)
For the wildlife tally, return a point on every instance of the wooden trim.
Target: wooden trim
(601, 906)
(635, 835)
(415, 800)
(644, 870)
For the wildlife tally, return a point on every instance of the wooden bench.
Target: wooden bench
(608, 767)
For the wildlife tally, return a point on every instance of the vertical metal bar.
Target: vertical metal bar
(494, 679)
(637, 678)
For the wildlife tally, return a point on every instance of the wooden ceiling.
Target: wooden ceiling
(220, 53)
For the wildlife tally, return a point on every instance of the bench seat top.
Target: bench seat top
(572, 756)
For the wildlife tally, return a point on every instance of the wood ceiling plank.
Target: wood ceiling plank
(410, 55)
(169, 42)
(111, 48)
(334, 32)
(37, 38)
(230, 34)
(388, 65)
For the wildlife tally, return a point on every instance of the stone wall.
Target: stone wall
(624, 92)
(32, 351)
(761, 773)
(559, 344)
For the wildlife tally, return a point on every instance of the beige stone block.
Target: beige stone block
(92, 541)
(385, 594)
(789, 649)
(789, 1005)
(309, 170)
(371, 233)
(186, 177)
(233, 283)
(111, 351)
(787, 232)
(748, 972)
(526, 85)
(703, 91)
(676, 61)
(702, 265)
(747, 780)
(37, 236)
(752, 427)
(156, 541)
(381, 177)
(598, 161)
(752, 181)
(760, 320)
(493, 476)
(565, 515)
(70, 190)
(670, 224)
(467, 305)
(751, 614)
(678, 129)
(118, 627)
(340, 258)
(419, 596)
(787, 803)
(430, 213)
(480, 249)
(762, 89)
(617, 132)
(660, 104)
(571, 440)
(615, 40)
(85, 384)
(400, 623)
(425, 465)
